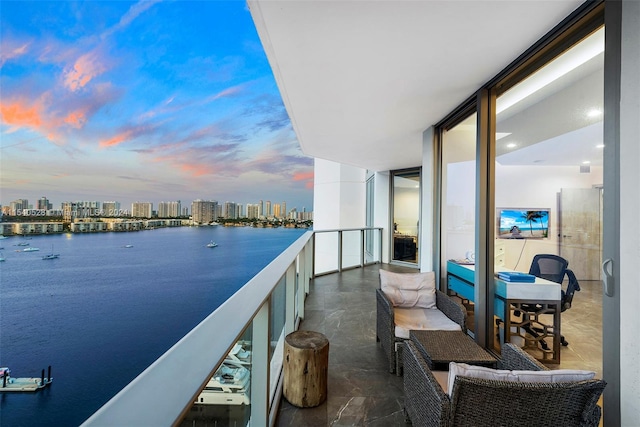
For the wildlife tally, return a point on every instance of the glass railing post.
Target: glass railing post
(340, 251)
(290, 295)
(260, 368)
(362, 248)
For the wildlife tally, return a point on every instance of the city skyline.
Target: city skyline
(142, 101)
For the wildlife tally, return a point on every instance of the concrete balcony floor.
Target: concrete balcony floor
(361, 391)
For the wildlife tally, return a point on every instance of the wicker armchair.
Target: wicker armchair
(385, 325)
(482, 402)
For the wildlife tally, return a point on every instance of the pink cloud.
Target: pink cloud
(20, 114)
(85, 69)
(10, 50)
(117, 140)
(76, 119)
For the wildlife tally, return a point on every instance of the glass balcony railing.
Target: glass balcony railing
(227, 370)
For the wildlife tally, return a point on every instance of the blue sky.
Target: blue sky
(149, 101)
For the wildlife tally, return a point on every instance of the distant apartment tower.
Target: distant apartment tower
(283, 209)
(43, 204)
(204, 211)
(17, 206)
(253, 211)
(267, 209)
(141, 209)
(169, 209)
(276, 210)
(185, 211)
(81, 209)
(229, 210)
(111, 208)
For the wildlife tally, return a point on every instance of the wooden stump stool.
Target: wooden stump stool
(306, 361)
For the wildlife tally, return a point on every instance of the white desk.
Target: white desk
(510, 297)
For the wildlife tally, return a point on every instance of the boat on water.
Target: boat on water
(22, 244)
(32, 249)
(212, 244)
(1, 257)
(51, 255)
(127, 246)
(11, 384)
(228, 386)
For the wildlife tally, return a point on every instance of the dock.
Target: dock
(10, 384)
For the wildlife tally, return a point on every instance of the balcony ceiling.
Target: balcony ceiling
(362, 80)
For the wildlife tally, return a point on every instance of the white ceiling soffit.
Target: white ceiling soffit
(362, 80)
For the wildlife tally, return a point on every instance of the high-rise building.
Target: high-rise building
(111, 208)
(229, 210)
(204, 211)
(267, 209)
(141, 210)
(260, 209)
(169, 209)
(283, 209)
(17, 206)
(43, 204)
(253, 211)
(276, 211)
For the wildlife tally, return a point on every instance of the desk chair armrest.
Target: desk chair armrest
(452, 309)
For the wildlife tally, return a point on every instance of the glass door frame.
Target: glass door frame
(575, 27)
(392, 175)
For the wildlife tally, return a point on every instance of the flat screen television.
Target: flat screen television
(517, 223)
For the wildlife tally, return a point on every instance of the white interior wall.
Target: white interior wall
(536, 187)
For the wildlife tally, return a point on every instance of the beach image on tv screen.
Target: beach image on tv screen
(523, 224)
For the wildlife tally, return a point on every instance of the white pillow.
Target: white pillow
(409, 289)
(551, 376)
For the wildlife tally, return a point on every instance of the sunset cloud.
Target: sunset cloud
(118, 139)
(10, 50)
(85, 68)
(21, 114)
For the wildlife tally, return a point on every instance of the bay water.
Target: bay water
(103, 312)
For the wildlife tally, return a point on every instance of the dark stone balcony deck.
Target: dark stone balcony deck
(361, 391)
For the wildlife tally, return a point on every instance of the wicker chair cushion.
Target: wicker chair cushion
(421, 319)
(409, 289)
(549, 376)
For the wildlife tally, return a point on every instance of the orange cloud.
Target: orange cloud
(86, 68)
(118, 139)
(18, 113)
(76, 119)
(302, 176)
(196, 169)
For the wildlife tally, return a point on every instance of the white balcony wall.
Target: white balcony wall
(339, 197)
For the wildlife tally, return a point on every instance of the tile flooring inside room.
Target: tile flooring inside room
(361, 391)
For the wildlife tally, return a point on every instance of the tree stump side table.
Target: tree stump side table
(306, 361)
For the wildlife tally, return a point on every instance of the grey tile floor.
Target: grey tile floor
(361, 391)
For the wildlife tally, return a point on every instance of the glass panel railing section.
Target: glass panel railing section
(326, 252)
(276, 347)
(225, 399)
(351, 248)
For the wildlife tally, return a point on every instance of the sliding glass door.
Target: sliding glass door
(548, 186)
(406, 215)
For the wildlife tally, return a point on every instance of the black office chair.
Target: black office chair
(552, 268)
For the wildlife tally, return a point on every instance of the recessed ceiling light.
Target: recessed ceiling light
(511, 145)
(600, 146)
(586, 162)
(594, 113)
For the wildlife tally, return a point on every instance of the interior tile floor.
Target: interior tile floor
(361, 391)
